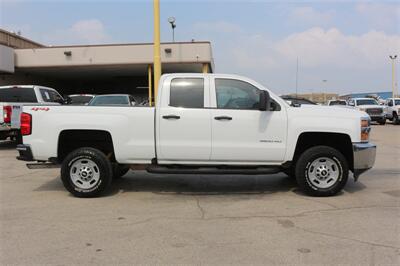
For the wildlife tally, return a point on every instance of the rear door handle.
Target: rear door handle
(171, 117)
(224, 117)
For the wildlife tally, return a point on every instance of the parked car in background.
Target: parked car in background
(13, 98)
(113, 100)
(201, 124)
(79, 99)
(293, 101)
(371, 107)
(337, 102)
(392, 110)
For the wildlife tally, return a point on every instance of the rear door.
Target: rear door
(183, 120)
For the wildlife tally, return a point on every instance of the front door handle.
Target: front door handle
(224, 117)
(171, 117)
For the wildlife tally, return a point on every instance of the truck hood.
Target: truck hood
(328, 111)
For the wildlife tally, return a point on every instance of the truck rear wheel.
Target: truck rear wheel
(321, 171)
(86, 172)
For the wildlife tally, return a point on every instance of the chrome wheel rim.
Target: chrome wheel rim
(323, 172)
(84, 173)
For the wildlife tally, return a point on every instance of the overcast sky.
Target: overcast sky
(346, 43)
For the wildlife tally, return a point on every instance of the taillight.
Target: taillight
(26, 124)
(7, 111)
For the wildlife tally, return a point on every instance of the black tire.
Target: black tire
(382, 121)
(102, 169)
(119, 170)
(18, 138)
(396, 119)
(304, 165)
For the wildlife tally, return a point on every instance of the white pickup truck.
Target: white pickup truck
(371, 107)
(201, 124)
(392, 110)
(14, 97)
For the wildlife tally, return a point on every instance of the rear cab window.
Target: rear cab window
(187, 93)
(18, 95)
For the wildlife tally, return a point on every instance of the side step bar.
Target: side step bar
(157, 169)
(42, 165)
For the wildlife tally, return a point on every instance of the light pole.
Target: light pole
(171, 21)
(157, 50)
(393, 58)
(297, 75)
(324, 89)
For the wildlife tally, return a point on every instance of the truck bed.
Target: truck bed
(131, 128)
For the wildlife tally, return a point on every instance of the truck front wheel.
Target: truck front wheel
(86, 172)
(321, 171)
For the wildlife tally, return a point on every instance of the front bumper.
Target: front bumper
(364, 157)
(377, 117)
(25, 153)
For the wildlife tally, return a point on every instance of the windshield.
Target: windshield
(80, 99)
(18, 95)
(367, 102)
(110, 100)
(337, 103)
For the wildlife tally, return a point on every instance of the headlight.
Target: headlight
(365, 129)
(363, 109)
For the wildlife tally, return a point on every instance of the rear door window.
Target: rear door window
(18, 95)
(187, 92)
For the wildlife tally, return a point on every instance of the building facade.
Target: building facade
(99, 69)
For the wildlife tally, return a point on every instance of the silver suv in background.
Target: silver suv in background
(14, 97)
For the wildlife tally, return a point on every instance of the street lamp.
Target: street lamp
(393, 58)
(171, 21)
(324, 88)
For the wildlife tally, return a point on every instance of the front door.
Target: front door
(240, 132)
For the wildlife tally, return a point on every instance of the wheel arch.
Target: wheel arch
(339, 141)
(72, 139)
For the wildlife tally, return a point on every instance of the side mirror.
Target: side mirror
(265, 101)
